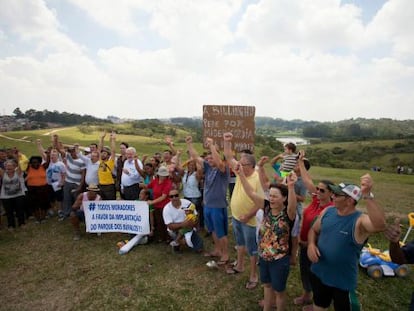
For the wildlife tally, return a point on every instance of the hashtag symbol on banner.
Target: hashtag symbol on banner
(92, 206)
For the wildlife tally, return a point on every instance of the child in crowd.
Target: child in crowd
(285, 162)
(190, 214)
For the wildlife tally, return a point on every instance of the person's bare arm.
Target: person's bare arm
(313, 250)
(292, 201)
(393, 234)
(113, 145)
(78, 202)
(228, 153)
(374, 220)
(193, 153)
(306, 178)
(264, 180)
(170, 145)
(41, 149)
(101, 141)
(215, 154)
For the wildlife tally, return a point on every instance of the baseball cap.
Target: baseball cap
(349, 189)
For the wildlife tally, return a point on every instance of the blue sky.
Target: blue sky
(324, 60)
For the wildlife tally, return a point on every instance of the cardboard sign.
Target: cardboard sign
(239, 120)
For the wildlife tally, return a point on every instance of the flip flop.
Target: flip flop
(233, 270)
(261, 304)
(222, 262)
(301, 301)
(251, 284)
(210, 255)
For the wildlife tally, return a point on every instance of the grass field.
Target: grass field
(42, 268)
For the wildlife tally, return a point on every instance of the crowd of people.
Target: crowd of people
(193, 196)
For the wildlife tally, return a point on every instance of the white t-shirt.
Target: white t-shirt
(173, 215)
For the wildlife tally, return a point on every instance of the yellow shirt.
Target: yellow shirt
(23, 162)
(105, 172)
(240, 202)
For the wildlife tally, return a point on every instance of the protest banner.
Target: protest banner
(239, 120)
(117, 216)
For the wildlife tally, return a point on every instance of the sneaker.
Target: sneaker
(61, 218)
(174, 243)
(143, 240)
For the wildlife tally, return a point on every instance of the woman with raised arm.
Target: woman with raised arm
(321, 199)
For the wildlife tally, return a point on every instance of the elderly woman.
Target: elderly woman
(12, 193)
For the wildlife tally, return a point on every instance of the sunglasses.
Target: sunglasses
(320, 190)
(174, 195)
(340, 195)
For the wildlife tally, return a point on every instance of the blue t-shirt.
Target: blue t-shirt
(408, 250)
(338, 263)
(215, 186)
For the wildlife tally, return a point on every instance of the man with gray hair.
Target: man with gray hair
(244, 211)
(131, 177)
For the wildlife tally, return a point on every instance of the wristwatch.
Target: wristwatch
(369, 196)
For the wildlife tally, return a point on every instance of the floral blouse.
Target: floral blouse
(274, 234)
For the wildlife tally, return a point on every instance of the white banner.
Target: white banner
(117, 216)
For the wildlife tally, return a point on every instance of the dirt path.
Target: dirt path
(23, 139)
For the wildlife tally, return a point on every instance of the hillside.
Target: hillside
(148, 137)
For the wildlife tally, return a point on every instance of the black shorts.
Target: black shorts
(55, 195)
(323, 295)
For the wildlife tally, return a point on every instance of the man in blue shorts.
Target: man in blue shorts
(216, 181)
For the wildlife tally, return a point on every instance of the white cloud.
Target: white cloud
(298, 59)
(32, 22)
(321, 24)
(394, 24)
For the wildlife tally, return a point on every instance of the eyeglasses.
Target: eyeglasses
(340, 195)
(320, 190)
(174, 195)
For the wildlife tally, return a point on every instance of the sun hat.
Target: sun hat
(163, 171)
(349, 189)
(93, 187)
(106, 149)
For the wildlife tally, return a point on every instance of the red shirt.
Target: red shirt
(158, 189)
(309, 214)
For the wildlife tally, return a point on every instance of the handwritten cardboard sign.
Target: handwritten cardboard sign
(239, 120)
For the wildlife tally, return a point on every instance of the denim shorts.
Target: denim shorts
(245, 235)
(216, 221)
(296, 227)
(275, 272)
